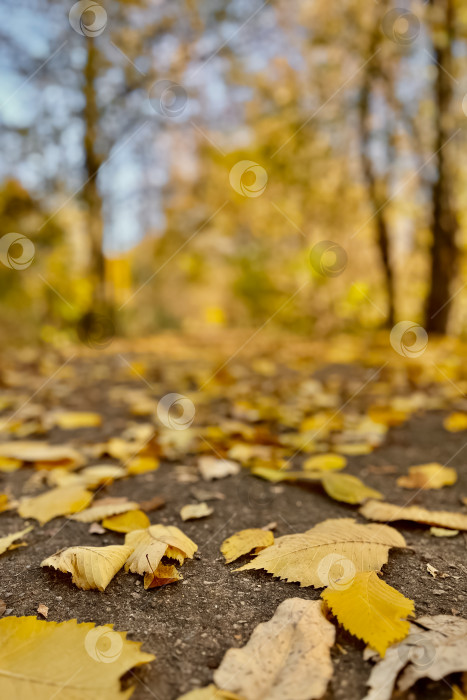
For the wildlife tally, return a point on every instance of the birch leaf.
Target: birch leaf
(62, 500)
(149, 546)
(428, 476)
(286, 658)
(127, 522)
(311, 558)
(99, 511)
(371, 609)
(7, 540)
(389, 512)
(244, 542)
(91, 567)
(348, 488)
(39, 658)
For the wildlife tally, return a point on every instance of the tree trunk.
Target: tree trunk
(377, 190)
(93, 161)
(444, 254)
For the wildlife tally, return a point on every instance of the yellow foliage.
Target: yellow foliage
(91, 567)
(244, 542)
(372, 610)
(38, 656)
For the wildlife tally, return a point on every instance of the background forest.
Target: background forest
(186, 165)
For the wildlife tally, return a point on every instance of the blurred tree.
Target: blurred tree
(444, 251)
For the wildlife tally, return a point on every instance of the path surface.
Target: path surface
(189, 625)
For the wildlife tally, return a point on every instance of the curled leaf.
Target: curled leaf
(91, 567)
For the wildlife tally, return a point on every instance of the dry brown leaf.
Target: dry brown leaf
(91, 567)
(435, 647)
(163, 575)
(317, 557)
(286, 658)
(62, 500)
(389, 512)
(152, 504)
(194, 511)
(244, 542)
(149, 546)
(43, 610)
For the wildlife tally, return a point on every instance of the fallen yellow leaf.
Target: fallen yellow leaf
(371, 609)
(194, 511)
(62, 500)
(7, 464)
(48, 456)
(7, 540)
(72, 420)
(99, 511)
(455, 422)
(91, 567)
(141, 465)
(325, 462)
(127, 522)
(92, 659)
(244, 542)
(348, 488)
(428, 476)
(311, 558)
(389, 512)
(149, 546)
